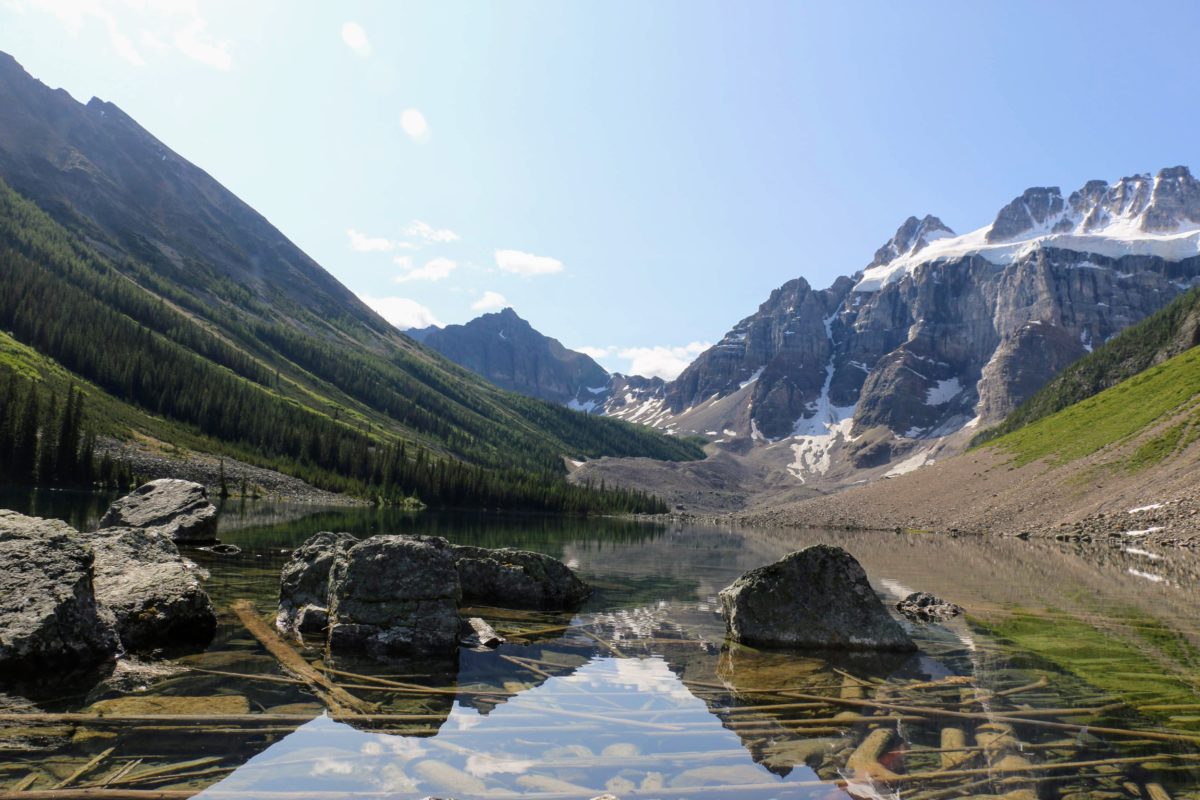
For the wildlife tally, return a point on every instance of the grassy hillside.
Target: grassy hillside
(1163, 400)
(1160, 336)
(319, 405)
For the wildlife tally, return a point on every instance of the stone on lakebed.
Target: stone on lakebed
(816, 598)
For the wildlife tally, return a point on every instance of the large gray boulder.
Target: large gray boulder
(304, 584)
(154, 593)
(817, 598)
(395, 595)
(517, 579)
(178, 509)
(49, 618)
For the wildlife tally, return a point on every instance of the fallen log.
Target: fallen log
(335, 698)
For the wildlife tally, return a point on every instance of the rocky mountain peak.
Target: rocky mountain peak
(911, 237)
(1035, 208)
(1164, 203)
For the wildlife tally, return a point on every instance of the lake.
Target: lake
(1073, 674)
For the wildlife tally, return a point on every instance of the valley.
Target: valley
(543, 418)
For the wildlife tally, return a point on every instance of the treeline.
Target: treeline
(65, 302)
(46, 443)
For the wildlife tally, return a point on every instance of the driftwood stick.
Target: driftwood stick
(485, 633)
(250, 676)
(520, 663)
(612, 648)
(1155, 791)
(864, 761)
(26, 782)
(166, 770)
(1047, 766)
(335, 698)
(84, 770)
(129, 767)
(1024, 719)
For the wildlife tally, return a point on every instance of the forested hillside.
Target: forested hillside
(185, 316)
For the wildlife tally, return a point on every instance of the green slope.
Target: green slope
(1162, 402)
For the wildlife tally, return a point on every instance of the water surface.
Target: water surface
(1075, 655)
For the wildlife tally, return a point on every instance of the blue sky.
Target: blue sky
(632, 177)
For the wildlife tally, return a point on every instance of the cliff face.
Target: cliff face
(941, 332)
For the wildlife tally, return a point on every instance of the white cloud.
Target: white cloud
(596, 352)
(356, 39)
(527, 264)
(402, 312)
(660, 361)
(362, 243)
(423, 230)
(489, 301)
(435, 269)
(197, 44)
(160, 21)
(414, 124)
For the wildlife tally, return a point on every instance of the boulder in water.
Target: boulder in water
(49, 617)
(396, 595)
(304, 584)
(517, 579)
(152, 590)
(816, 598)
(178, 509)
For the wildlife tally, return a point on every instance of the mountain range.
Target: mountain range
(939, 336)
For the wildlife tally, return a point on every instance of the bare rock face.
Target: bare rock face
(304, 585)
(49, 617)
(154, 593)
(396, 595)
(517, 579)
(178, 509)
(816, 598)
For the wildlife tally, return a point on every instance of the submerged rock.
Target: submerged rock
(517, 579)
(925, 607)
(304, 584)
(49, 617)
(396, 594)
(178, 509)
(154, 593)
(816, 598)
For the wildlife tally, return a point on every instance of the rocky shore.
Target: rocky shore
(147, 458)
(983, 493)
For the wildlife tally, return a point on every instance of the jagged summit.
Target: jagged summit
(1144, 215)
(911, 238)
(1168, 202)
